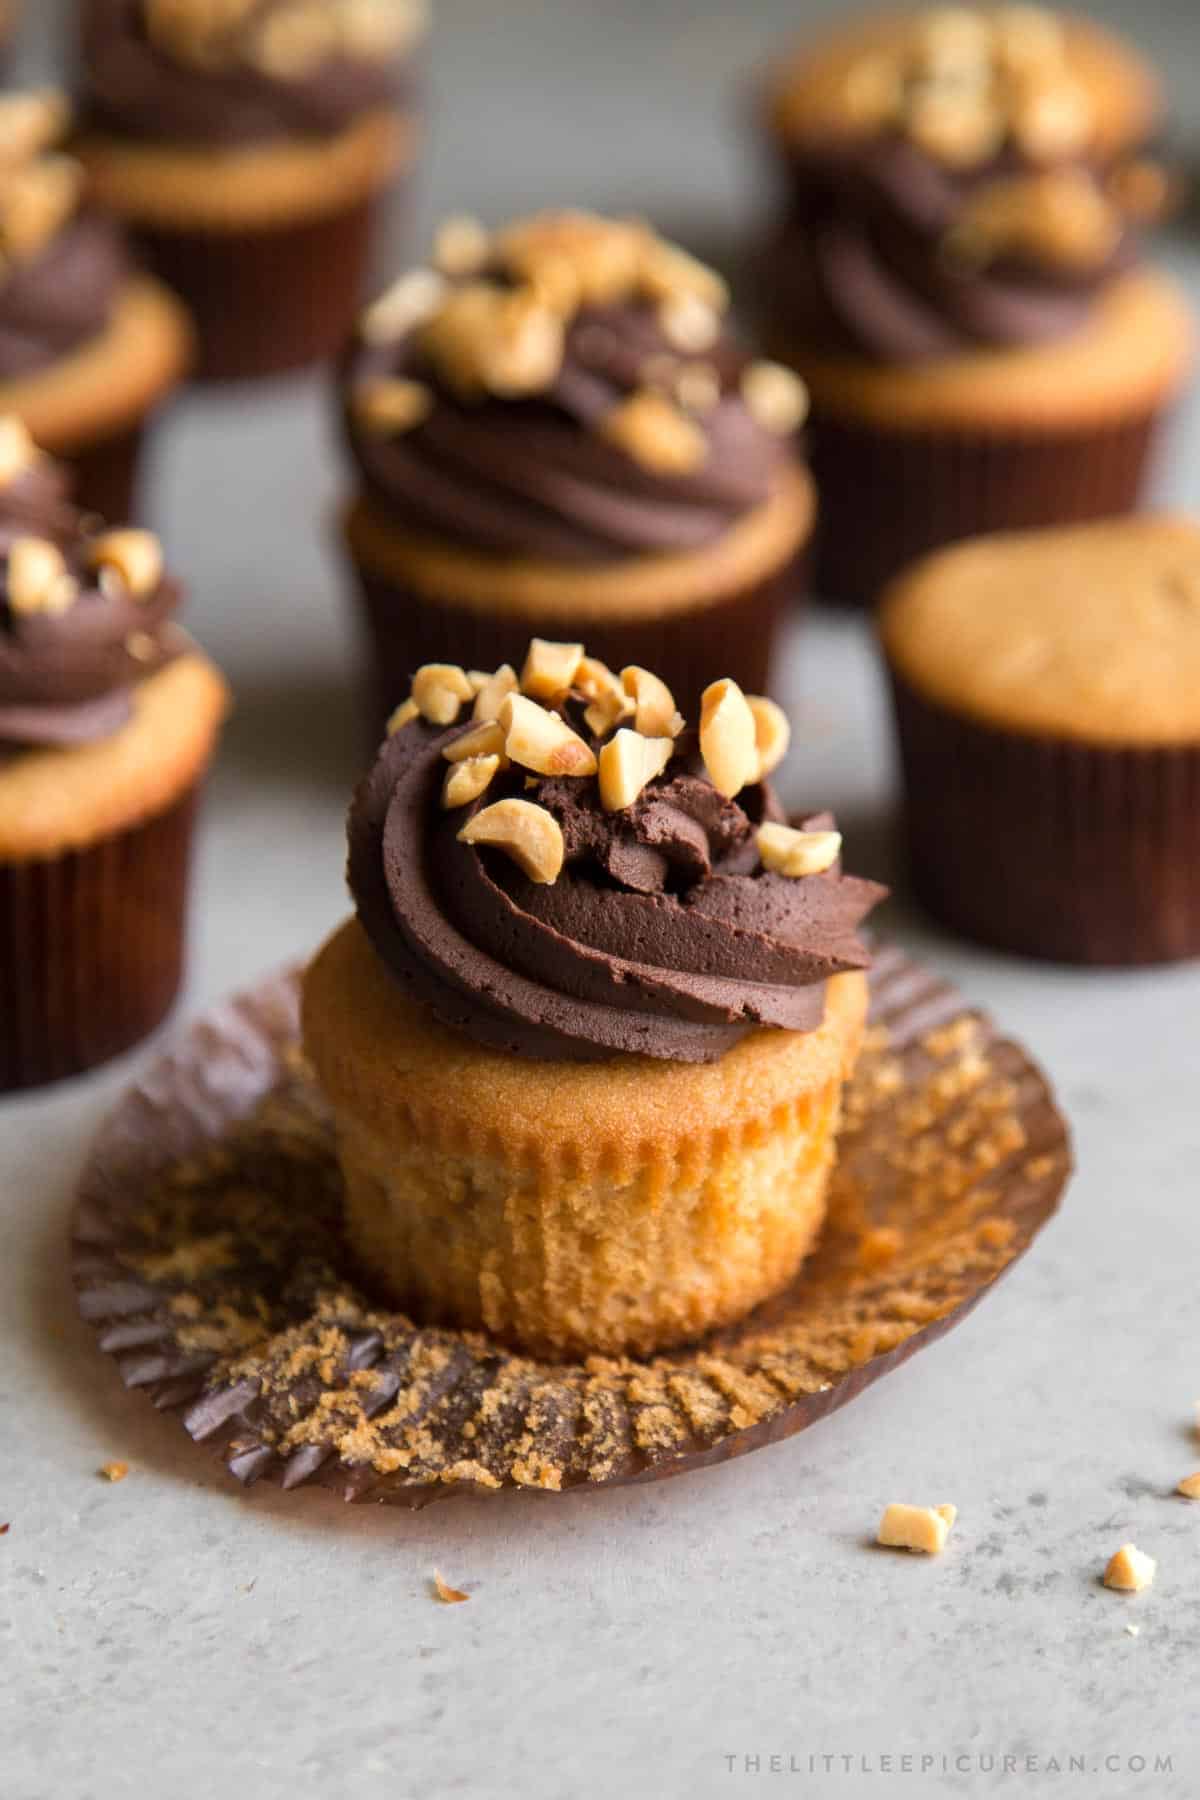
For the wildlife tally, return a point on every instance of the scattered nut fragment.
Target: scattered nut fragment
(409, 301)
(667, 272)
(797, 853)
(461, 245)
(1054, 122)
(114, 1471)
(488, 339)
(466, 780)
(142, 646)
(728, 740)
(450, 1596)
(608, 703)
(627, 762)
(494, 691)
(404, 714)
(484, 739)
(550, 668)
(772, 733)
(132, 557)
(575, 258)
(776, 397)
(1060, 217)
(689, 323)
(526, 832)
(18, 452)
(921, 1528)
(392, 405)
(1129, 1570)
(38, 578)
(651, 429)
(541, 741)
(961, 130)
(654, 710)
(1189, 1487)
(439, 690)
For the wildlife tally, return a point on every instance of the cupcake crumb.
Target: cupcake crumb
(1189, 1487)
(1129, 1570)
(919, 1528)
(114, 1471)
(449, 1596)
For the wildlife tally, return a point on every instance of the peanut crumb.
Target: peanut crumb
(920, 1528)
(449, 1596)
(1129, 1570)
(1189, 1487)
(114, 1471)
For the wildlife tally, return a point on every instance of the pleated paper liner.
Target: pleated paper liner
(208, 1255)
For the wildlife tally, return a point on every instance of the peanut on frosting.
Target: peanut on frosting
(38, 578)
(287, 40)
(40, 189)
(18, 452)
(524, 724)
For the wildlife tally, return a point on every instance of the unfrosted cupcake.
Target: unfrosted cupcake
(956, 278)
(247, 145)
(1047, 689)
(108, 719)
(557, 437)
(89, 346)
(586, 1039)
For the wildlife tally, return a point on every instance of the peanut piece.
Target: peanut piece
(409, 301)
(651, 429)
(134, 557)
(466, 780)
(1189, 1487)
(541, 741)
(797, 853)
(668, 272)
(392, 405)
(403, 715)
(492, 695)
(920, 1528)
(439, 690)
(627, 762)
(776, 397)
(528, 833)
(728, 740)
(484, 739)
(654, 710)
(550, 668)
(31, 123)
(1129, 1570)
(17, 449)
(689, 323)
(461, 246)
(38, 577)
(772, 733)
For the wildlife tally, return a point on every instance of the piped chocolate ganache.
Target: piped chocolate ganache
(564, 388)
(245, 71)
(555, 864)
(61, 265)
(84, 611)
(962, 198)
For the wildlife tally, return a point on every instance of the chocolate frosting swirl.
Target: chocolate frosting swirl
(67, 677)
(662, 935)
(136, 87)
(63, 296)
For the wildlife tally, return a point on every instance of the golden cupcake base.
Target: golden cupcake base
(209, 1254)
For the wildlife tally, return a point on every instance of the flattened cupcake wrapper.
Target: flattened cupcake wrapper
(734, 637)
(267, 301)
(1070, 852)
(889, 497)
(209, 1255)
(91, 948)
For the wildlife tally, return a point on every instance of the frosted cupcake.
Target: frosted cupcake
(247, 144)
(586, 1038)
(956, 278)
(108, 720)
(557, 436)
(89, 347)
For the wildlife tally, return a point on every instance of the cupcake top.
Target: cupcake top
(61, 265)
(1089, 633)
(241, 71)
(564, 388)
(962, 177)
(555, 864)
(84, 611)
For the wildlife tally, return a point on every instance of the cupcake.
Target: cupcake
(557, 437)
(246, 144)
(586, 1038)
(89, 347)
(957, 280)
(1047, 690)
(108, 719)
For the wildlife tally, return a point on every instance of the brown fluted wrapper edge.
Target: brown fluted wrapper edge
(91, 948)
(889, 497)
(1070, 852)
(208, 1254)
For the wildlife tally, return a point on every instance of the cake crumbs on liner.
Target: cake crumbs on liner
(449, 1596)
(113, 1471)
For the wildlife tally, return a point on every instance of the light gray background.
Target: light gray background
(172, 1636)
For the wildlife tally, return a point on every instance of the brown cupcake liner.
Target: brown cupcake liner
(734, 636)
(91, 948)
(1057, 850)
(104, 474)
(269, 300)
(209, 1255)
(889, 497)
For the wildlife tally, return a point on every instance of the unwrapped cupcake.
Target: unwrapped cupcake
(108, 720)
(247, 144)
(89, 347)
(586, 1039)
(557, 436)
(957, 280)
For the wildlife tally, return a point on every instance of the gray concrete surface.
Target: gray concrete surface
(171, 1636)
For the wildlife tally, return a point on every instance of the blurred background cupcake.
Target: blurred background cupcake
(557, 436)
(9, 20)
(247, 144)
(108, 719)
(89, 347)
(956, 278)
